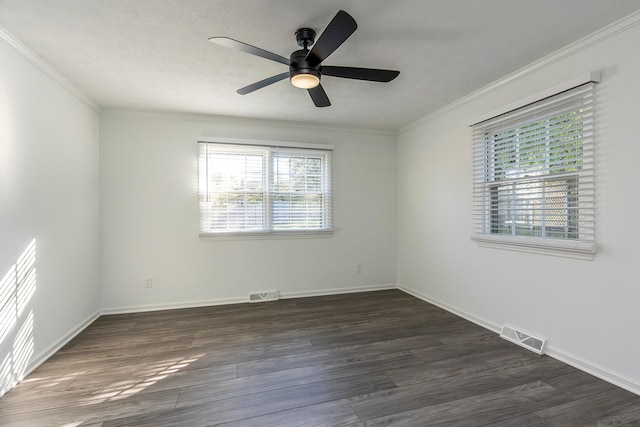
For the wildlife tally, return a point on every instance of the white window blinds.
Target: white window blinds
(247, 189)
(533, 174)
(300, 190)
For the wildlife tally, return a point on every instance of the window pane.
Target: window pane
(299, 201)
(292, 211)
(562, 209)
(567, 151)
(545, 208)
(552, 145)
(235, 172)
(230, 212)
(235, 200)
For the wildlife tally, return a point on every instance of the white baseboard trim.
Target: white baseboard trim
(337, 291)
(239, 300)
(171, 306)
(458, 312)
(38, 360)
(594, 369)
(577, 362)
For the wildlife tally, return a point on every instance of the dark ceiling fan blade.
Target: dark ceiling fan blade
(370, 74)
(247, 48)
(319, 96)
(339, 29)
(262, 83)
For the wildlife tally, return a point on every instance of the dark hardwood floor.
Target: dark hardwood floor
(375, 358)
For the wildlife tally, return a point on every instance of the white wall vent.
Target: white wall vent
(523, 339)
(263, 296)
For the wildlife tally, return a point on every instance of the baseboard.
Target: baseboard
(239, 300)
(38, 360)
(171, 306)
(577, 362)
(457, 311)
(337, 291)
(594, 369)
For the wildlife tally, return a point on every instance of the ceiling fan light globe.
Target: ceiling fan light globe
(305, 81)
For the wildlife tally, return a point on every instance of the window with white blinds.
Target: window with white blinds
(252, 189)
(533, 176)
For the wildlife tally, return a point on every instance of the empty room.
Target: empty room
(439, 232)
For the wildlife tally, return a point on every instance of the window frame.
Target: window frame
(271, 150)
(512, 119)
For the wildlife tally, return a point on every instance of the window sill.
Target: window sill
(267, 235)
(560, 248)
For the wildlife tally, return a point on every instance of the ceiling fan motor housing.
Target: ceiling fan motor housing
(300, 65)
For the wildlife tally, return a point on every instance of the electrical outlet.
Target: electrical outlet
(148, 283)
(359, 268)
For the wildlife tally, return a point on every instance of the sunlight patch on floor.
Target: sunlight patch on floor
(149, 376)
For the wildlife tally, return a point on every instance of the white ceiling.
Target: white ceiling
(153, 55)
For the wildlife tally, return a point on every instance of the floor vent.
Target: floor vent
(263, 296)
(523, 339)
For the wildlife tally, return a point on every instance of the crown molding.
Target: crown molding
(628, 22)
(45, 68)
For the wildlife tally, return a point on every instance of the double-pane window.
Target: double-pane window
(263, 189)
(533, 173)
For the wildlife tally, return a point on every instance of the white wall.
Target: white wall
(588, 310)
(149, 217)
(48, 192)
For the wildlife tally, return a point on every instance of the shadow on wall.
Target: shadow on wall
(16, 324)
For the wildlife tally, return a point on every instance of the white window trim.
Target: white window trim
(591, 77)
(265, 143)
(561, 248)
(269, 234)
(554, 247)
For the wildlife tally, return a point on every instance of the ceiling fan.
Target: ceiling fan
(305, 66)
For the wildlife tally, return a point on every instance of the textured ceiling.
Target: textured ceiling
(153, 55)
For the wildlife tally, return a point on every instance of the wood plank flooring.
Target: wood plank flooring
(367, 359)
